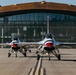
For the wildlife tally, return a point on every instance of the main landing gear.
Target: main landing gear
(25, 54)
(9, 54)
(38, 56)
(59, 57)
(49, 56)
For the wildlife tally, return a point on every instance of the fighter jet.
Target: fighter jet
(17, 45)
(47, 46)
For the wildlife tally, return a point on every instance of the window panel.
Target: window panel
(18, 18)
(27, 17)
(31, 17)
(23, 17)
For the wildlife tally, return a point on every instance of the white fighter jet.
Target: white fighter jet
(47, 46)
(17, 45)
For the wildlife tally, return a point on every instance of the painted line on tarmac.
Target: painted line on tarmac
(31, 72)
(37, 70)
(38, 67)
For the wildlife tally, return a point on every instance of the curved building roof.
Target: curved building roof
(38, 5)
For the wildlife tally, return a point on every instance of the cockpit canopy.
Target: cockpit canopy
(15, 38)
(14, 41)
(49, 36)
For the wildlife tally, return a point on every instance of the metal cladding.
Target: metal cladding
(38, 5)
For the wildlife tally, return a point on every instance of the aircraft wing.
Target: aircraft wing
(56, 43)
(35, 43)
(66, 44)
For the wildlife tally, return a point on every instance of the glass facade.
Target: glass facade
(33, 26)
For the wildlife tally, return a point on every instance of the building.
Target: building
(29, 21)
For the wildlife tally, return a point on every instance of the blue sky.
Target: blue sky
(10, 2)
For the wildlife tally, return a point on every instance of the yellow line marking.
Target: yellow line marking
(42, 72)
(37, 70)
(32, 71)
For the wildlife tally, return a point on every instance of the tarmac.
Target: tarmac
(24, 65)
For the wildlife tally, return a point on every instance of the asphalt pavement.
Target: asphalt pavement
(23, 65)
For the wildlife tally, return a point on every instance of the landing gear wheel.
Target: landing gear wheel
(36, 52)
(38, 57)
(9, 54)
(59, 57)
(49, 57)
(16, 54)
(30, 51)
(25, 54)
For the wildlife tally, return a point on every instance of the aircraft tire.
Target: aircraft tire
(36, 52)
(49, 57)
(59, 57)
(25, 54)
(16, 55)
(9, 54)
(30, 51)
(38, 57)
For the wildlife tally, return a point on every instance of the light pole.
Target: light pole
(34, 33)
(48, 25)
(2, 35)
(18, 32)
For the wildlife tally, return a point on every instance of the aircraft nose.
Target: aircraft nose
(14, 45)
(48, 44)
